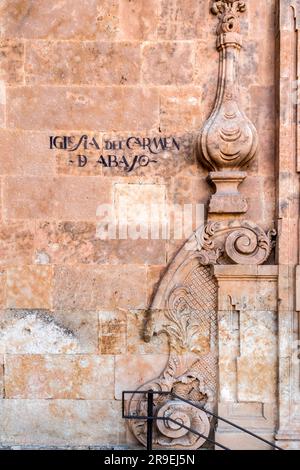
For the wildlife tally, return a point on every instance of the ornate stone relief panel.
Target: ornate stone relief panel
(187, 298)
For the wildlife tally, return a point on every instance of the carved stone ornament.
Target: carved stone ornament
(184, 309)
(228, 140)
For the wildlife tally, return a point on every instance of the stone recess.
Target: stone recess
(73, 307)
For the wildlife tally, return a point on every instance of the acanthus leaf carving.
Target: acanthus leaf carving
(234, 242)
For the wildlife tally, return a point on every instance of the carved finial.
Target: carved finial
(228, 140)
(228, 12)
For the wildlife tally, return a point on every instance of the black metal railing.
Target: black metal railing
(150, 418)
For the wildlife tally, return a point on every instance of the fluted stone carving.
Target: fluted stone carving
(228, 140)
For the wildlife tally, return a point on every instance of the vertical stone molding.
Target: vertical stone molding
(247, 345)
(228, 140)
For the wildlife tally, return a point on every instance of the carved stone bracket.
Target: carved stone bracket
(234, 242)
(228, 140)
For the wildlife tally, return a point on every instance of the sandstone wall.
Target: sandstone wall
(73, 305)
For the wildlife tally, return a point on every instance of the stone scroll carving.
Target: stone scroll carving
(184, 309)
(190, 323)
(228, 140)
(234, 242)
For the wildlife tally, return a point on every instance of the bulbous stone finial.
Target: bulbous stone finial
(228, 140)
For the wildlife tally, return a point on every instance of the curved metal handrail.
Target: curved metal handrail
(150, 418)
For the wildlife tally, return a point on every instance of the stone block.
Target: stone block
(122, 108)
(59, 422)
(256, 378)
(28, 152)
(140, 252)
(189, 101)
(46, 332)
(1, 376)
(55, 198)
(16, 243)
(138, 20)
(2, 104)
(100, 287)
(65, 242)
(2, 288)
(133, 370)
(253, 416)
(183, 19)
(29, 287)
(160, 63)
(243, 441)
(83, 63)
(169, 155)
(55, 376)
(41, 19)
(142, 210)
(136, 323)
(112, 332)
(11, 61)
(28, 197)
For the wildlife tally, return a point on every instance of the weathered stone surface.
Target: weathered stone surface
(78, 242)
(136, 344)
(160, 63)
(147, 252)
(142, 211)
(59, 377)
(2, 288)
(1, 377)
(133, 370)
(34, 107)
(206, 70)
(11, 61)
(29, 287)
(102, 287)
(16, 243)
(59, 422)
(112, 332)
(41, 19)
(47, 332)
(24, 198)
(2, 104)
(83, 63)
(25, 153)
(183, 19)
(256, 379)
(65, 242)
(188, 100)
(138, 20)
